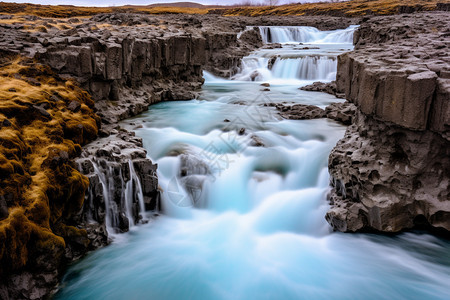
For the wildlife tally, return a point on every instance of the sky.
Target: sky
(142, 2)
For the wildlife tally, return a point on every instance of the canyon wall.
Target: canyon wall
(391, 171)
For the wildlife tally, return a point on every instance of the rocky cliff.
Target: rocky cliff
(391, 171)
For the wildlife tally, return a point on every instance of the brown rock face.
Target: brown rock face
(389, 178)
(391, 171)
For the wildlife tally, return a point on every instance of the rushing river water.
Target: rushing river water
(244, 199)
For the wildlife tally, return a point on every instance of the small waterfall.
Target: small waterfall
(314, 60)
(305, 68)
(123, 200)
(288, 34)
(305, 34)
(313, 67)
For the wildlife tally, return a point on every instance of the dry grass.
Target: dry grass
(67, 11)
(38, 136)
(348, 8)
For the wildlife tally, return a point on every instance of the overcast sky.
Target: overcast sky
(142, 2)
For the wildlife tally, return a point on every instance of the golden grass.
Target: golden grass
(67, 11)
(351, 8)
(41, 186)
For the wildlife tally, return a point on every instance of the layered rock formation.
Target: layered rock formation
(123, 185)
(391, 171)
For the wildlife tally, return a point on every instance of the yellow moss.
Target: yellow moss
(35, 170)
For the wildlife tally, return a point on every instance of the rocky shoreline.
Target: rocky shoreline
(391, 171)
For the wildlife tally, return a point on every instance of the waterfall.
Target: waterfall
(123, 200)
(304, 34)
(315, 59)
(305, 68)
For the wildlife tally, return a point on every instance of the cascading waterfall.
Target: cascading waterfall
(244, 203)
(305, 34)
(292, 62)
(308, 68)
(123, 200)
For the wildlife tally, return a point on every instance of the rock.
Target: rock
(111, 157)
(389, 172)
(329, 88)
(42, 111)
(6, 123)
(341, 112)
(3, 208)
(265, 84)
(299, 111)
(74, 106)
(32, 81)
(388, 178)
(252, 37)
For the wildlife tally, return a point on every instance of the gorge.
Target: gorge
(229, 188)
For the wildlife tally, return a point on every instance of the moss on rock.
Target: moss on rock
(38, 137)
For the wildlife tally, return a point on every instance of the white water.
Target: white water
(315, 59)
(131, 192)
(247, 222)
(305, 34)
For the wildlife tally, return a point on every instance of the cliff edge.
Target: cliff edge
(391, 171)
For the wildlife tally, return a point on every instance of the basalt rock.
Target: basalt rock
(300, 111)
(325, 87)
(391, 171)
(342, 112)
(389, 178)
(119, 174)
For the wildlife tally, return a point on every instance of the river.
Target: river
(244, 198)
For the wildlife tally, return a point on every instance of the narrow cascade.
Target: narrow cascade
(123, 197)
(244, 200)
(315, 59)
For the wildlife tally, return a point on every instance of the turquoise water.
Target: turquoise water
(243, 214)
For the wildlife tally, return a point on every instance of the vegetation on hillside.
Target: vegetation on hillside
(44, 120)
(350, 8)
(346, 8)
(68, 11)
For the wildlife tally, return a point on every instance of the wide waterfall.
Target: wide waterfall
(305, 34)
(306, 54)
(244, 199)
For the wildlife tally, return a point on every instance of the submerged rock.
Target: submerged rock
(300, 111)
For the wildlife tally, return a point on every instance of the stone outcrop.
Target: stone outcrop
(119, 174)
(325, 87)
(391, 170)
(342, 112)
